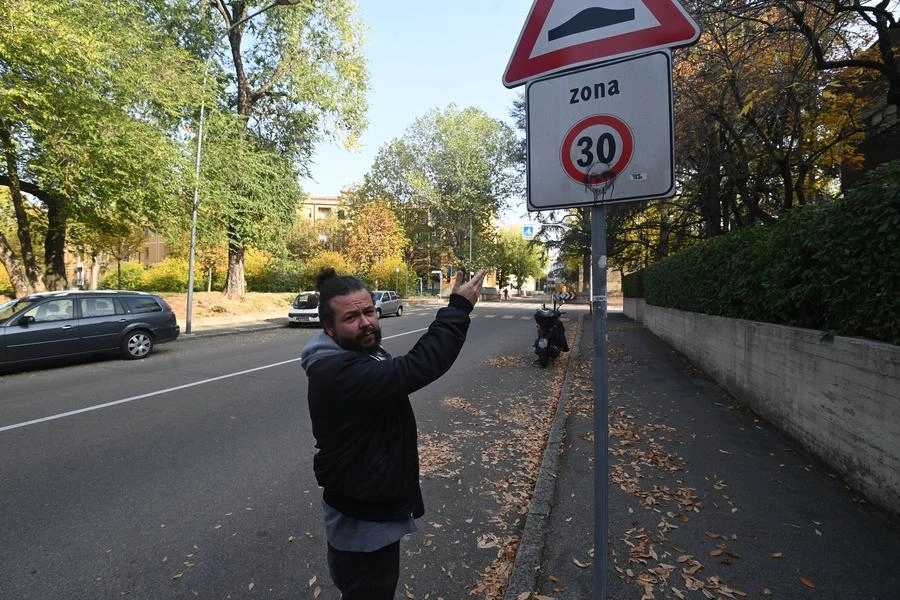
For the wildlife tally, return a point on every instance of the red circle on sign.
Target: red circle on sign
(619, 126)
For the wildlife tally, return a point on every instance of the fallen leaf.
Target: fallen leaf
(807, 583)
(580, 564)
(317, 591)
(177, 576)
(251, 586)
(716, 552)
(312, 581)
(777, 554)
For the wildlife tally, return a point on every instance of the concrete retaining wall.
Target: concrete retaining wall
(839, 396)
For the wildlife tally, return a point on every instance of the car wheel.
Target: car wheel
(137, 344)
(399, 311)
(378, 312)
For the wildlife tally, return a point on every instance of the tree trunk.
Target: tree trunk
(95, 272)
(55, 246)
(13, 268)
(235, 281)
(32, 273)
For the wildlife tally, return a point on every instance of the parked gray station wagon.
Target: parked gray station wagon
(75, 322)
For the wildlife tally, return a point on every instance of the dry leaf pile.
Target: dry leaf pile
(496, 445)
(643, 464)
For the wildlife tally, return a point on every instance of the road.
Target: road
(189, 474)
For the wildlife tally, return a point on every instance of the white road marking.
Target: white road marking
(72, 413)
(142, 396)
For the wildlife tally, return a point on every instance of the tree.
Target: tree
(249, 195)
(836, 32)
(115, 239)
(447, 179)
(754, 140)
(296, 75)
(92, 93)
(374, 236)
(517, 258)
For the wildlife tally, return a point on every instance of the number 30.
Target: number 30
(606, 149)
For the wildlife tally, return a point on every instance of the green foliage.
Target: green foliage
(517, 258)
(92, 93)
(6, 287)
(248, 193)
(633, 285)
(296, 76)
(274, 275)
(448, 179)
(313, 266)
(387, 274)
(374, 236)
(834, 267)
(131, 277)
(170, 275)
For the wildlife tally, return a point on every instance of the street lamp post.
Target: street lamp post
(196, 204)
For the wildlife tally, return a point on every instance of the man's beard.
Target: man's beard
(356, 342)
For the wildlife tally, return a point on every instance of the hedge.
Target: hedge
(832, 266)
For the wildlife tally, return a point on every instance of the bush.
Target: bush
(834, 267)
(311, 269)
(388, 274)
(170, 275)
(633, 285)
(131, 275)
(279, 275)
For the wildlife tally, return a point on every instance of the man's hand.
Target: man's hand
(471, 289)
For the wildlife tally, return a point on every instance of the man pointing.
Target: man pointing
(367, 461)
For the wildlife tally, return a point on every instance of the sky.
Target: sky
(424, 55)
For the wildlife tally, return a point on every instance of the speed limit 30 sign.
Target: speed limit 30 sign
(602, 134)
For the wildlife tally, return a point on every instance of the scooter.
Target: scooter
(551, 338)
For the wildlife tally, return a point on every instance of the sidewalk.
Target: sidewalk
(706, 500)
(211, 326)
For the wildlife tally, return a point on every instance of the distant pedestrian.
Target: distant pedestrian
(506, 293)
(367, 461)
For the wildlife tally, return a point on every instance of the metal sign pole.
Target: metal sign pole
(599, 307)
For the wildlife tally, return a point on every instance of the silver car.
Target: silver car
(387, 302)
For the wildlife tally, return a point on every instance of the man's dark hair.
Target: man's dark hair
(329, 284)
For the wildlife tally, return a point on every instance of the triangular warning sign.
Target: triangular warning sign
(561, 34)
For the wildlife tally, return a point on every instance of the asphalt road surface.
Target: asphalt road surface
(189, 474)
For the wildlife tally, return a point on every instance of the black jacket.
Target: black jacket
(365, 430)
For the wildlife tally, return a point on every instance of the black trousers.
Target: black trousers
(365, 575)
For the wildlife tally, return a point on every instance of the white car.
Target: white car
(304, 310)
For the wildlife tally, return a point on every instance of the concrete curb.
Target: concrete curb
(215, 326)
(528, 557)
